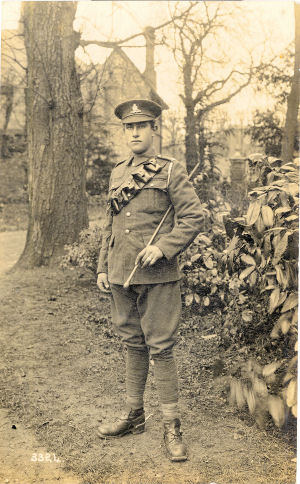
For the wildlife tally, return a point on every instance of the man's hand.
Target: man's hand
(102, 282)
(148, 256)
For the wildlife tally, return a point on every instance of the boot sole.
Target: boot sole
(134, 431)
(177, 459)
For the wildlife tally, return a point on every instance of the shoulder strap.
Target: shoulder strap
(122, 161)
(167, 158)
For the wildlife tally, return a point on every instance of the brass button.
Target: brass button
(127, 231)
(128, 214)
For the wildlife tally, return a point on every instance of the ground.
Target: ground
(63, 372)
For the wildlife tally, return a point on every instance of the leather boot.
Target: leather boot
(129, 423)
(176, 449)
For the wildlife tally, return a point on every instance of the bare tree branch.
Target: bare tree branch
(14, 60)
(112, 44)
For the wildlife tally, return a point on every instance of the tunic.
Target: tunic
(127, 233)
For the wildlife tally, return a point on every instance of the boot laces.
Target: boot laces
(176, 436)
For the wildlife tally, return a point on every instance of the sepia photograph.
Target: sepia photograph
(149, 235)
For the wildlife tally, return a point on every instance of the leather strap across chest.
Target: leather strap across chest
(134, 183)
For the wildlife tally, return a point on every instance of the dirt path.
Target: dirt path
(11, 246)
(62, 372)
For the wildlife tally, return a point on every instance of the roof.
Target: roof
(153, 93)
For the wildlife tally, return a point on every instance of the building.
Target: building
(117, 80)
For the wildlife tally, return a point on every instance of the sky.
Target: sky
(107, 20)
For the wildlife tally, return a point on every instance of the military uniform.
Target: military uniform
(146, 315)
(127, 233)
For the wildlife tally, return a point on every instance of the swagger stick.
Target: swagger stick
(127, 282)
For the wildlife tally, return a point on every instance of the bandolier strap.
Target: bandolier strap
(134, 183)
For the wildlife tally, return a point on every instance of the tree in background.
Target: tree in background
(13, 83)
(290, 128)
(54, 111)
(266, 130)
(209, 78)
(173, 134)
(267, 127)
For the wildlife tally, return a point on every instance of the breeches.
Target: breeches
(147, 315)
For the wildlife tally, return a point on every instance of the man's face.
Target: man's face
(139, 136)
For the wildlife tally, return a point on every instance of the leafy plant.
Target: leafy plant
(204, 284)
(263, 254)
(85, 252)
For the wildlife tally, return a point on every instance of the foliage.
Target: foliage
(85, 252)
(262, 259)
(276, 78)
(266, 129)
(267, 126)
(204, 284)
(99, 157)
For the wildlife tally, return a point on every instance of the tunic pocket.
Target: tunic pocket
(156, 194)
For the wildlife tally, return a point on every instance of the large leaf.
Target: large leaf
(293, 188)
(285, 326)
(281, 210)
(295, 317)
(291, 396)
(271, 368)
(250, 399)
(260, 387)
(281, 276)
(276, 409)
(240, 398)
(208, 263)
(232, 244)
(206, 301)
(274, 298)
(290, 303)
(267, 215)
(280, 246)
(248, 259)
(259, 224)
(253, 279)
(282, 298)
(195, 257)
(203, 238)
(189, 299)
(290, 218)
(246, 272)
(275, 331)
(253, 212)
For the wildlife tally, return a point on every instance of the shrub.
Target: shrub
(85, 252)
(204, 284)
(262, 260)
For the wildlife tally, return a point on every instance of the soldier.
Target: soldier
(146, 315)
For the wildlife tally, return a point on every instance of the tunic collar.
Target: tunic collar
(139, 159)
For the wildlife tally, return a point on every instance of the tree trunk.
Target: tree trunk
(290, 128)
(57, 196)
(7, 91)
(191, 149)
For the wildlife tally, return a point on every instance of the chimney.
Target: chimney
(150, 73)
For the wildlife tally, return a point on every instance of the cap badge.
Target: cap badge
(135, 110)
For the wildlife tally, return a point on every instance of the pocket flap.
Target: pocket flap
(159, 183)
